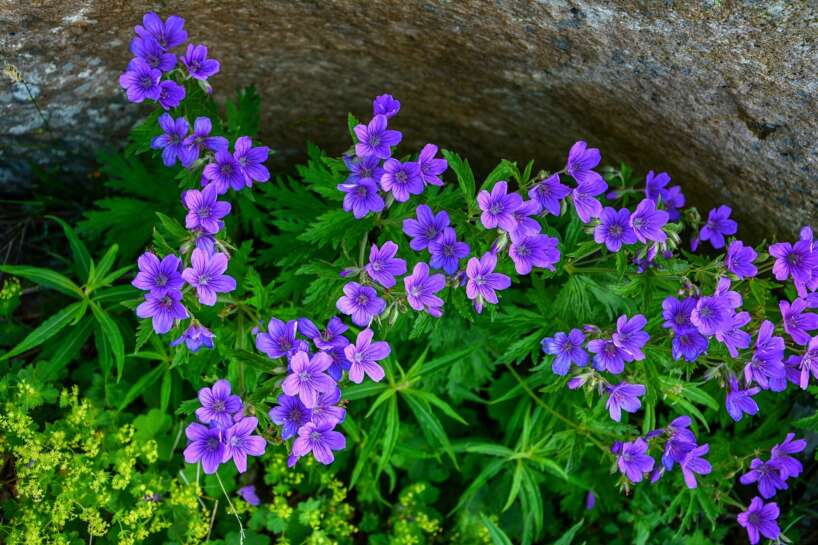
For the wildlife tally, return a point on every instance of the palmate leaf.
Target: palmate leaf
(465, 177)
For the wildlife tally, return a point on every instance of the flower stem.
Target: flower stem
(230, 503)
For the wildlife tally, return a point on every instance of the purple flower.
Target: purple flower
(718, 225)
(290, 414)
(680, 441)
(633, 461)
(364, 356)
(447, 251)
(694, 463)
(321, 440)
(688, 344)
(739, 402)
(614, 229)
(608, 356)
(586, 205)
(567, 349)
(809, 363)
(712, 314)
(677, 313)
(172, 142)
(625, 397)
(647, 222)
(402, 179)
(383, 266)
(581, 162)
(279, 340)
(248, 494)
(630, 336)
(326, 410)
(767, 362)
(195, 337)
(385, 105)
(739, 260)
(796, 260)
(239, 442)
(767, 475)
(251, 160)
(483, 281)
(363, 169)
(375, 139)
(330, 337)
(733, 337)
(149, 50)
(163, 310)
(360, 302)
(197, 64)
(760, 518)
(218, 404)
(158, 277)
(206, 274)
(340, 363)
(361, 198)
(205, 445)
(140, 81)
(780, 455)
(431, 167)
(421, 289)
(549, 194)
(171, 94)
(426, 228)
(526, 225)
(225, 172)
(534, 251)
(674, 200)
(201, 140)
(169, 34)
(308, 378)
(498, 207)
(204, 210)
(798, 323)
(590, 500)
(655, 185)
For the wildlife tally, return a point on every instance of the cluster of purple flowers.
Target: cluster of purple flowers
(373, 169)
(309, 407)
(223, 431)
(163, 280)
(154, 60)
(680, 447)
(609, 355)
(770, 476)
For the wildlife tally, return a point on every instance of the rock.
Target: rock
(722, 95)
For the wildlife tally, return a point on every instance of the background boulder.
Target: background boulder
(722, 95)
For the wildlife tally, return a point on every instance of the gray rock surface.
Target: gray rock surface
(722, 95)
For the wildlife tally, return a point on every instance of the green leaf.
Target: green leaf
(361, 391)
(490, 449)
(465, 176)
(440, 404)
(164, 394)
(45, 330)
(70, 345)
(375, 432)
(82, 259)
(140, 386)
(568, 537)
(489, 471)
(516, 484)
(112, 336)
(498, 536)
(44, 277)
(352, 122)
(391, 433)
(428, 368)
(103, 267)
(429, 424)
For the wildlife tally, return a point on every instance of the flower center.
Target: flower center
(212, 443)
(218, 407)
(161, 280)
(226, 169)
(401, 177)
(495, 209)
(204, 212)
(315, 436)
(362, 300)
(146, 82)
(615, 230)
